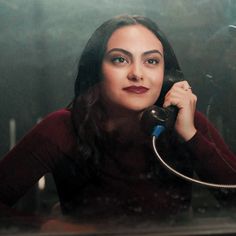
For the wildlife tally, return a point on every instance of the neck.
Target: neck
(125, 123)
(122, 122)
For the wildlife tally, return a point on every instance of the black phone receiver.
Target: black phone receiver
(157, 116)
(163, 118)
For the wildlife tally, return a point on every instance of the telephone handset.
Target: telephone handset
(158, 117)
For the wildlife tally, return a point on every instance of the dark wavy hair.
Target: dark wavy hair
(88, 114)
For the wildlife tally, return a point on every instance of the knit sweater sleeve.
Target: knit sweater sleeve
(35, 155)
(213, 159)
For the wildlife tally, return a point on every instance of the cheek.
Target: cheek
(109, 85)
(157, 81)
(107, 74)
(109, 82)
(112, 78)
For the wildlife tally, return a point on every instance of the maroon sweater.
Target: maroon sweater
(131, 180)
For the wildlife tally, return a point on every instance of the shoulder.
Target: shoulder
(205, 126)
(57, 128)
(201, 121)
(200, 117)
(59, 117)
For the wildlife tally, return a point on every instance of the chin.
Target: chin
(138, 107)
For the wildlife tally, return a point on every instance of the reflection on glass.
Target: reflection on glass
(119, 183)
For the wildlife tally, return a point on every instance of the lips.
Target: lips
(136, 89)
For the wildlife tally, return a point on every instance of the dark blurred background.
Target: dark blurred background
(41, 41)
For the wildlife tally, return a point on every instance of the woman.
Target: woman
(101, 160)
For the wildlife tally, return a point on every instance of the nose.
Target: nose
(135, 73)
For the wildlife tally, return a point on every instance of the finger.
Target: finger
(183, 84)
(180, 98)
(178, 92)
(176, 101)
(188, 89)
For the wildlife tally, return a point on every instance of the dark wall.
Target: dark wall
(41, 40)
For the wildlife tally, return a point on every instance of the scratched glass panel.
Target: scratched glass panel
(40, 45)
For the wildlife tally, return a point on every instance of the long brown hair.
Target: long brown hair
(88, 114)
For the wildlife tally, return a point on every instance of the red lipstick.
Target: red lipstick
(136, 89)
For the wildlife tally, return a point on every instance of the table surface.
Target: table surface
(196, 227)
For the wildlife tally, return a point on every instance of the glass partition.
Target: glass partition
(41, 42)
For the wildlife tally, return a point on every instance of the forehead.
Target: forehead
(134, 37)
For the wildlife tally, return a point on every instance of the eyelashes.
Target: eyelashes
(152, 61)
(119, 60)
(123, 60)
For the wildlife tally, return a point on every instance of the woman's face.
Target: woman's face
(132, 69)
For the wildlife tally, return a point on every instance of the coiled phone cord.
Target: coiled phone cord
(214, 185)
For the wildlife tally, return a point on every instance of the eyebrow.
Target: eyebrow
(129, 54)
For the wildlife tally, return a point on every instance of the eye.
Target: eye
(152, 61)
(118, 60)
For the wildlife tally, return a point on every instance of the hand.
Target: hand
(181, 95)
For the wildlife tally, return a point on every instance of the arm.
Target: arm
(35, 155)
(213, 159)
(20, 169)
